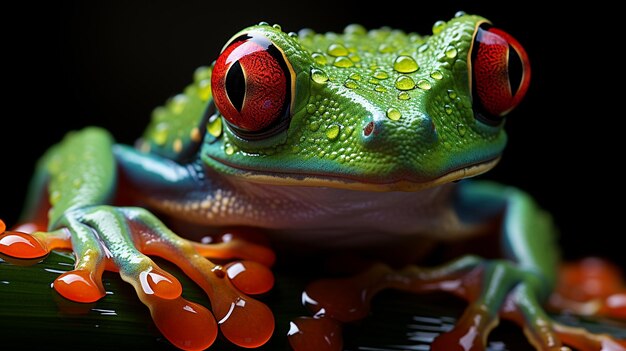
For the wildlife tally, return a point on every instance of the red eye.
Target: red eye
(251, 85)
(495, 70)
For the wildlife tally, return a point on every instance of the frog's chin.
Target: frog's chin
(355, 184)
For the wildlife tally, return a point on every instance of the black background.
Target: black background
(70, 65)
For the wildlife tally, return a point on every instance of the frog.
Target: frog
(351, 139)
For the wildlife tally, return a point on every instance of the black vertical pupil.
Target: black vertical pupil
(236, 85)
(516, 70)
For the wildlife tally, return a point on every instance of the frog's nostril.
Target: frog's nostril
(368, 129)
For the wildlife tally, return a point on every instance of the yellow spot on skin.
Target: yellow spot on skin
(144, 147)
(195, 134)
(178, 145)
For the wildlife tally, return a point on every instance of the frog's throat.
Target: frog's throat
(353, 184)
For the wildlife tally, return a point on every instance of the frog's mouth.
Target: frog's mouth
(336, 181)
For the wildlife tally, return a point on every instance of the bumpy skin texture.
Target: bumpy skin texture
(373, 115)
(436, 133)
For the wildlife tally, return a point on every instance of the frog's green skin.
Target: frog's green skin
(322, 176)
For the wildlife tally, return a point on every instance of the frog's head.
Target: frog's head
(373, 110)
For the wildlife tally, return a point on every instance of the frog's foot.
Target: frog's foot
(494, 289)
(120, 239)
(590, 287)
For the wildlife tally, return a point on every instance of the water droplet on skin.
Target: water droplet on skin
(276, 26)
(355, 29)
(405, 64)
(424, 84)
(404, 95)
(229, 149)
(319, 76)
(461, 129)
(448, 109)
(202, 73)
(459, 14)
(293, 34)
(438, 27)
(423, 48)
(343, 62)
(405, 83)
(451, 52)
(178, 103)
(310, 108)
(314, 126)
(354, 57)
(55, 196)
(337, 50)
(263, 23)
(452, 94)
(306, 33)
(160, 133)
(436, 75)
(332, 132)
(385, 48)
(381, 75)
(355, 76)
(350, 84)
(214, 126)
(319, 58)
(380, 89)
(393, 114)
(204, 89)
(373, 81)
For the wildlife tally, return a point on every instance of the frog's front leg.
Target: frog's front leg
(81, 174)
(513, 288)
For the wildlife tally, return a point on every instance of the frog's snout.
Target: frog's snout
(391, 128)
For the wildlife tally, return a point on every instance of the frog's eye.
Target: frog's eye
(495, 69)
(252, 86)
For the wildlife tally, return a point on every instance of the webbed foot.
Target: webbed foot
(121, 239)
(494, 288)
